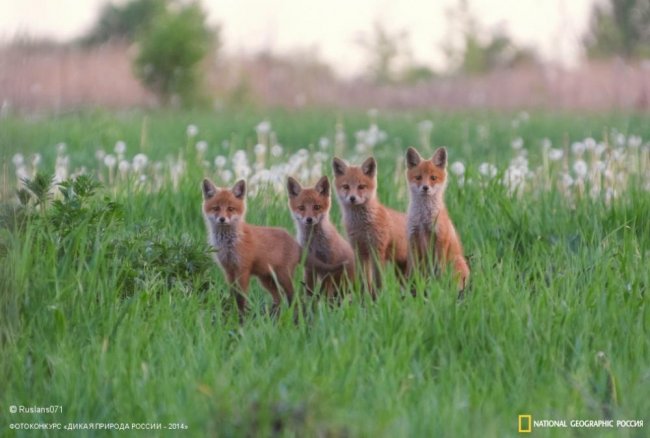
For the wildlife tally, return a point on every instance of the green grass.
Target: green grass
(554, 283)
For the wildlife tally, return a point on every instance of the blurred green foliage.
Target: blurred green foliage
(171, 53)
(619, 28)
(123, 22)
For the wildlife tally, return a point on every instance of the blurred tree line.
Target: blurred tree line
(173, 39)
(619, 28)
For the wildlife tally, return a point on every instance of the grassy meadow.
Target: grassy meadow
(111, 307)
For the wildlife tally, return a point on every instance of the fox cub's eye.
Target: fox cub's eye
(301, 208)
(362, 186)
(418, 178)
(216, 208)
(231, 209)
(346, 187)
(433, 177)
(316, 207)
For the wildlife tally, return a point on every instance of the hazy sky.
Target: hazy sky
(333, 27)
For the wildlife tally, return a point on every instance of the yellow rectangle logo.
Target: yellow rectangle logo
(525, 423)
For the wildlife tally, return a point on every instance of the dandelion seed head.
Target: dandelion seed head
(60, 148)
(120, 147)
(192, 130)
(555, 154)
(123, 166)
(276, 150)
(201, 146)
(457, 168)
(110, 161)
(264, 127)
(259, 149)
(517, 143)
(220, 161)
(578, 148)
(580, 168)
(140, 162)
(226, 176)
(487, 169)
(18, 159)
(323, 143)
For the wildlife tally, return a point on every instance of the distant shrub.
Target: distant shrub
(123, 22)
(77, 223)
(171, 52)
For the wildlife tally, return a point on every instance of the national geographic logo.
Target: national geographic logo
(525, 424)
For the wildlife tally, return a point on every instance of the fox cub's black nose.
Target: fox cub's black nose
(425, 188)
(309, 220)
(353, 198)
(222, 219)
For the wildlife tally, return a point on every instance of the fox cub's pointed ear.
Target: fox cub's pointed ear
(339, 166)
(293, 187)
(413, 158)
(239, 189)
(209, 189)
(369, 167)
(323, 186)
(440, 157)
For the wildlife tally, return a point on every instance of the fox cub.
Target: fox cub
(377, 233)
(431, 234)
(310, 209)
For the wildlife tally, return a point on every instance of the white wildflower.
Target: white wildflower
(220, 161)
(555, 154)
(634, 141)
(457, 168)
(21, 173)
(578, 148)
(201, 146)
(276, 150)
(264, 127)
(123, 166)
(110, 161)
(619, 139)
(18, 159)
(140, 162)
(100, 154)
(487, 169)
(580, 168)
(259, 149)
(120, 147)
(323, 143)
(60, 148)
(226, 176)
(192, 130)
(517, 143)
(599, 149)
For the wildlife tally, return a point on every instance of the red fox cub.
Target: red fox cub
(428, 221)
(243, 250)
(377, 233)
(310, 209)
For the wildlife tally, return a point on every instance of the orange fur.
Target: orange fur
(310, 211)
(377, 233)
(244, 250)
(428, 220)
